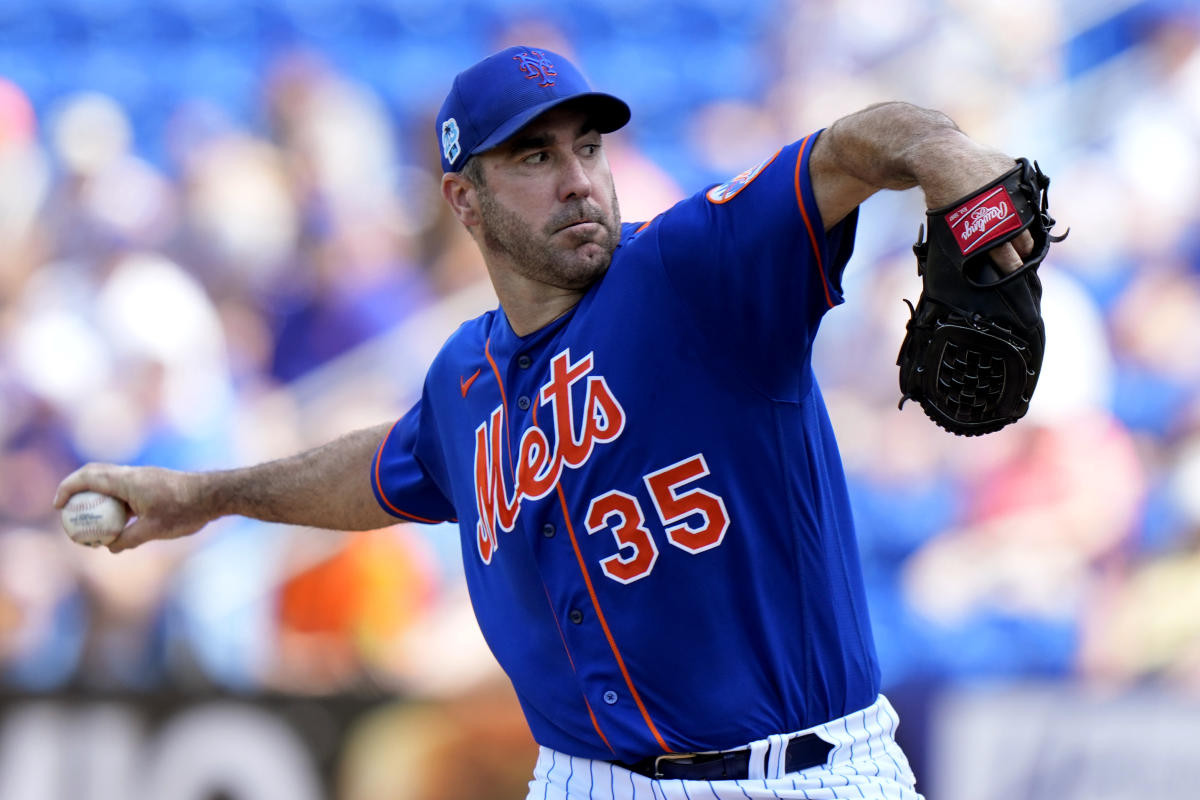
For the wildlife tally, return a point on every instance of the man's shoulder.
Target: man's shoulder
(465, 344)
(640, 232)
(630, 231)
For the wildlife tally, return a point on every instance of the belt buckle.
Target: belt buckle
(682, 758)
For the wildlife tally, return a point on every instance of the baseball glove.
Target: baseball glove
(974, 342)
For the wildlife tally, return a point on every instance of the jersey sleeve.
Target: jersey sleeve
(401, 477)
(753, 261)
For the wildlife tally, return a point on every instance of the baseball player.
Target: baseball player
(653, 513)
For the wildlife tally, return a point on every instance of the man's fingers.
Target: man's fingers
(133, 535)
(1006, 258)
(72, 484)
(1024, 244)
(140, 531)
(90, 477)
(153, 528)
(1011, 255)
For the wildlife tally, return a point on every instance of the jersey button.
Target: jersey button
(575, 616)
(524, 361)
(548, 530)
(523, 403)
(610, 697)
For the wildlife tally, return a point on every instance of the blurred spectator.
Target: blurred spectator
(476, 745)
(44, 617)
(24, 181)
(345, 604)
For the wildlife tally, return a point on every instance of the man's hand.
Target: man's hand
(973, 347)
(165, 504)
(953, 166)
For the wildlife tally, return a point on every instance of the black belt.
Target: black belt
(802, 753)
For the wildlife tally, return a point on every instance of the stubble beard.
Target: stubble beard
(569, 265)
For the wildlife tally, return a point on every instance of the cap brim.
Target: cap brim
(607, 113)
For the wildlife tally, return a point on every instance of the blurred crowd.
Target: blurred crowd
(243, 285)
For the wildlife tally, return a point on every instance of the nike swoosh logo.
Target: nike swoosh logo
(466, 385)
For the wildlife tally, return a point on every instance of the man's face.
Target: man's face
(547, 207)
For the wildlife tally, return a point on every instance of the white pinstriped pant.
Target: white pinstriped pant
(865, 764)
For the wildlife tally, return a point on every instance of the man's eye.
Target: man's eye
(591, 149)
(535, 158)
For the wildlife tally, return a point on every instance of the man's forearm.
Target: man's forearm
(883, 144)
(327, 487)
(898, 146)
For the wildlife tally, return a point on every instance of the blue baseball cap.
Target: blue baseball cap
(495, 98)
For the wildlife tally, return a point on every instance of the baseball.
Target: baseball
(94, 519)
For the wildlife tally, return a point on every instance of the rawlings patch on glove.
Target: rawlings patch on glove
(974, 343)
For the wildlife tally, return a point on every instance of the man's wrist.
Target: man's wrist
(948, 165)
(213, 494)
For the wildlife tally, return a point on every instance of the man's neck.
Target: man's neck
(531, 306)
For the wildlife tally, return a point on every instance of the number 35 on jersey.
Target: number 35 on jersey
(692, 518)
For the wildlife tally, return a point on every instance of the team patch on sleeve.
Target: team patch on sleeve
(729, 190)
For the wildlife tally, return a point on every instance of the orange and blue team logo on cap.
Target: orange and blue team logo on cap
(535, 65)
(729, 190)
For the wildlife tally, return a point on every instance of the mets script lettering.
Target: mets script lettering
(538, 466)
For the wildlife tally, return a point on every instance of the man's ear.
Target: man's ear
(460, 194)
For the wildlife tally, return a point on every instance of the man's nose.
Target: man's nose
(574, 180)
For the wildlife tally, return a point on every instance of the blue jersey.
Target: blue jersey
(654, 518)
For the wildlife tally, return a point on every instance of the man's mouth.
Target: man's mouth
(580, 224)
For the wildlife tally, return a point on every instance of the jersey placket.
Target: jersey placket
(619, 689)
(541, 522)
